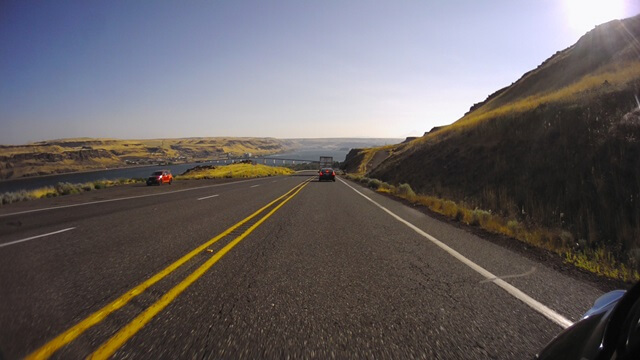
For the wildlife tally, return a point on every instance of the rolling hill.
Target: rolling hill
(68, 155)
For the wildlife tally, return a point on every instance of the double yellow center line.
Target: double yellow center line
(125, 333)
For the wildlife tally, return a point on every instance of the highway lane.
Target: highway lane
(107, 253)
(98, 203)
(328, 274)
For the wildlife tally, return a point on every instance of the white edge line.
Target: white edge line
(512, 290)
(125, 198)
(36, 237)
(255, 186)
(208, 197)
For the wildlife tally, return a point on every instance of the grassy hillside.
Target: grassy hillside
(57, 156)
(241, 170)
(558, 149)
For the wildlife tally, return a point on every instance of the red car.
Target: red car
(326, 174)
(160, 177)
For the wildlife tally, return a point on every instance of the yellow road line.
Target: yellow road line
(72, 333)
(116, 341)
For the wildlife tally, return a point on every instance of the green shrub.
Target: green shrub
(374, 184)
(15, 196)
(65, 188)
(513, 226)
(479, 217)
(99, 185)
(406, 191)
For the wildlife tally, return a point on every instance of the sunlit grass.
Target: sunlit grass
(602, 262)
(368, 155)
(586, 87)
(236, 171)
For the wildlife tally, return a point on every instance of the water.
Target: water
(145, 171)
(313, 154)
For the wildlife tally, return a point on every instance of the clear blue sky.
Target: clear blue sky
(149, 69)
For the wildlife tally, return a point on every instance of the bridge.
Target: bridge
(265, 160)
(284, 159)
(268, 159)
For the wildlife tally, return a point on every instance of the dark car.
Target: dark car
(326, 174)
(160, 177)
(609, 330)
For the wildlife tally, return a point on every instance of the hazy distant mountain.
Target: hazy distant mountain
(344, 144)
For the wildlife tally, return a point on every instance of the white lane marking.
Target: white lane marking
(255, 186)
(512, 290)
(533, 269)
(274, 181)
(125, 198)
(36, 237)
(208, 197)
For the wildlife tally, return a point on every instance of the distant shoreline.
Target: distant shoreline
(81, 172)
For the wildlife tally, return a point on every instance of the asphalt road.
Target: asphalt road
(323, 272)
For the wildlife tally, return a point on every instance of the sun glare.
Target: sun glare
(583, 15)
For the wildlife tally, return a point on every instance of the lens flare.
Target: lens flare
(583, 15)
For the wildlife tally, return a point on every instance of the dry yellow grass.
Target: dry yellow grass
(369, 154)
(236, 171)
(585, 88)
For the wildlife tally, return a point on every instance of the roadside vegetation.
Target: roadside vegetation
(242, 170)
(596, 260)
(608, 81)
(61, 189)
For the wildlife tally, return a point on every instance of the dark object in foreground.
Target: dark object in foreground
(609, 330)
(160, 177)
(326, 174)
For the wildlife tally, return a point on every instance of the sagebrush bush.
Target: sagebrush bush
(479, 217)
(65, 188)
(99, 185)
(14, 196)
(513, 226)
(405, 190)
(374, 184)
